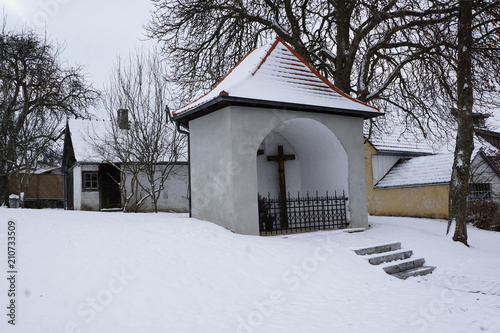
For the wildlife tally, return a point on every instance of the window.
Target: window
(90, 181)
(479, 191)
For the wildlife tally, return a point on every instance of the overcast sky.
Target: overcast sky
(94, 32)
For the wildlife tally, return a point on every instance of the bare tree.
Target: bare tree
(114, 146)
(377, 51)
(37, 147)
(471, 56)
(459, 186)
(411, 58)
(35, 91)
(144, 141)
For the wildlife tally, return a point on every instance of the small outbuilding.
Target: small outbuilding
(93, 183)
(275, 147)
(406, 177)
(41, 188)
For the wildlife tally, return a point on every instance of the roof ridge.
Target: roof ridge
(278, 64)
(318, 74)
(218, 83)
(273, 46)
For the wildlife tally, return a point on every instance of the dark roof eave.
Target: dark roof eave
(223, 101)
(382, 187)
(402, 152)
(116, 162)
(490, 163)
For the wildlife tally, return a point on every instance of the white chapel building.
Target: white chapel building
(269, 141)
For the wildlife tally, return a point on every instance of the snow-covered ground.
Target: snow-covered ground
(115, 272)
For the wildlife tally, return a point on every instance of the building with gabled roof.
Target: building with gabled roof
(92, 181)
(406, 177)
(420, 170)
(273, 115)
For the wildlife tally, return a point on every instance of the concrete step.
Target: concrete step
(404, 265)
(379, 249)
(390, 256)
(419, 271)
(387, 255)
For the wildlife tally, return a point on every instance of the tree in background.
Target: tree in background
(376, 51)
(478, 43)
(459, 185)
(115, 147)
(465, 74)
(408, 57)
(36, 148)
(141, 141)
(36, 91)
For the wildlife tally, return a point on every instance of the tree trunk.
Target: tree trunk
(4, 189)
(459, 186)
(8, 155)
(343, 65)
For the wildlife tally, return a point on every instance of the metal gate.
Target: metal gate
(304, 213)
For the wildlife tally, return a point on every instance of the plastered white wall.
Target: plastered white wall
(77, 187)
(89, 200)
(381, 164)
(173, 197)
(320, 163)
(268, 171)
(224, 162)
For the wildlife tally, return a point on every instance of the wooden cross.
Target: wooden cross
(281, 159)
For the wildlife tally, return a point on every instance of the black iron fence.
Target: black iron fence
(303, 213)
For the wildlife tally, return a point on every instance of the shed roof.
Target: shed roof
(434, 169)
(275, 73)
(418, 171)
(399, 142)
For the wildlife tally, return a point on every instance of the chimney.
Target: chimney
(123, 119)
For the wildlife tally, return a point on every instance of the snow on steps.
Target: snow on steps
(379, 249)
(391, 256)
(387, 255)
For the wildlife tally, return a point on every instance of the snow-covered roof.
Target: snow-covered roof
(88, 136)
(418, 171)
(83, 132)
(397, 141)
(428, 170)
(276, 73)
(482, 144)
(46, 169)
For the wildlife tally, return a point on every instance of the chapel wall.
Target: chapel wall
(224, 173)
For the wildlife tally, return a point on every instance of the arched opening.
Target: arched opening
(306, 159)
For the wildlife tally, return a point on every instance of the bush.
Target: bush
(482, 213)
(266, 220)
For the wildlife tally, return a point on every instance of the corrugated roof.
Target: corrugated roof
(422, 170)
(275, 72)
